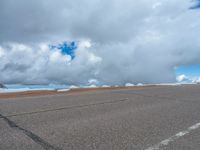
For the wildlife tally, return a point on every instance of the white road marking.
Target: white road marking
(174, 137)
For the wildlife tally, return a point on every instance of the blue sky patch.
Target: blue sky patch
(196, 5)
(67, 48)
(190, 71)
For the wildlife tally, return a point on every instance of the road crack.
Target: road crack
(65, 108)
(44, 144)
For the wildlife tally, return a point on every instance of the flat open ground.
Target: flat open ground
(135, 118)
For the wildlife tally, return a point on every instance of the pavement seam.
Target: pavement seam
(44, 144)
(64, 108)
(154, 96)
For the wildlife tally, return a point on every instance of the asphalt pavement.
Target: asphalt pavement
(149, 118)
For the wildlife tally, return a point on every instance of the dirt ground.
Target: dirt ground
(53, 92)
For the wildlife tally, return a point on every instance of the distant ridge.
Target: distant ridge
(2, 86)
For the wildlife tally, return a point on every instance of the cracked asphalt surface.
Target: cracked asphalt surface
(124, 119)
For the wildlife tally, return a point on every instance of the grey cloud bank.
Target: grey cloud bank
(120, 41)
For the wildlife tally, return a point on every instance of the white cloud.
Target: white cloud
(73, 87)
(39, 65)
(93, 81)
(196, 80)
(120, 42)
(156, 5)
(182, 78)
(1, 52)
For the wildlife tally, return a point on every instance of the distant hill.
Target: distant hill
(2, 86)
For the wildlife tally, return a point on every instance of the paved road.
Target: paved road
(156, 118)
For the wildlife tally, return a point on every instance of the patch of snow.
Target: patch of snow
(170, 84)
(105, 86)
(73, 87)
(140, 84)
(129, 84)
(92, 86)
(63, 90)
(23, 90)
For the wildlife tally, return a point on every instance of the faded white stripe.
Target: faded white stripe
(174, 137)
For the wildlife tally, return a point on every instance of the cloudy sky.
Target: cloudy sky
(100, 42)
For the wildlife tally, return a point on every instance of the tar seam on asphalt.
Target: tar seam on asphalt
(64, 108)
(44, 144)
(160, 97)
(154, 96)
